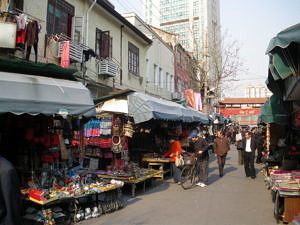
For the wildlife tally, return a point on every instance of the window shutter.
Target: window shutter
(77, 29)
(105, 45)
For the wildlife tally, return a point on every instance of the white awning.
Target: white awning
(20, 93)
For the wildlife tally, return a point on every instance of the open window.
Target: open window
(103, 44)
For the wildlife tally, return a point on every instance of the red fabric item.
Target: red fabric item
(37, 195)
(47, 158)
(65, 55)
(189, 95)
(54, 140)
(20, 37)
(29, 134)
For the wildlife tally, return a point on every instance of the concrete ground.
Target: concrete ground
(230, 200)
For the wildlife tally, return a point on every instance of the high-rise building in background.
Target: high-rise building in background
(196, 24)
(257, 91)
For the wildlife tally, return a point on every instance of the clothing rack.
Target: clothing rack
(29, 15)
(63, 37)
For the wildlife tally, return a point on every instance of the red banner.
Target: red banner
(241, 112)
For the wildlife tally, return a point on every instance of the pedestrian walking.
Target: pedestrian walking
(201, 151)
(260, 147)
(174, 151)
(239, 147)
(249, 146)
(221, 147)
(10, 199)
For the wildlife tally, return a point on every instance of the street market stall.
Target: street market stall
(138, 126)
(41, 134)
(281, 116)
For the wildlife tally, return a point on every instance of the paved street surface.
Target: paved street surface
(230, 200)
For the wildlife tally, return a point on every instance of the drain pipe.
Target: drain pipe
(87, 22)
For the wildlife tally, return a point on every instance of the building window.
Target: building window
(168, 81)
(133, 59)
(155, 74)
(59, 17)
(160, 78)
(103, 44)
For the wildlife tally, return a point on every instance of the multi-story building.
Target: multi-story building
(196, 24)
(184, 73)
(159, 61)
(107, 50)
(259, 91)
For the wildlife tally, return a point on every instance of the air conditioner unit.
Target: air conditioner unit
(76, 51)
(108, 68)
(176, 95)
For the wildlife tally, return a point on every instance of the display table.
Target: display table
(163, 165)
(134, 181)
(287, 206)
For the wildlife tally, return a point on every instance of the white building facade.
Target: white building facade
(159, 61)
(258, 91)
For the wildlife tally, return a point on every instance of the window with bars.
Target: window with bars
(103, 45)
(133, 59)
(59, 17)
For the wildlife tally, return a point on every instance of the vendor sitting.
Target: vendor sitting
(173, 152)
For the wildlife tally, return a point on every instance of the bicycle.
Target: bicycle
(189, 173)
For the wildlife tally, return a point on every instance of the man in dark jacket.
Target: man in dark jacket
(221, 147)
(10, 201)
(249, 147)
(201, 151)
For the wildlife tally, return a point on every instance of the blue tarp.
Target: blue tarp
(143, 107)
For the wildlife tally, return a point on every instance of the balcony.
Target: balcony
(108, 68)
(76, 51)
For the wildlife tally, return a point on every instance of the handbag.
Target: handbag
(239, 145)
(179, 161)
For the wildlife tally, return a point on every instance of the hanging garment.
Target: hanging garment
(65, 55)
(32, 38)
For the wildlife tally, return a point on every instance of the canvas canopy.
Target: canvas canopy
(34, 95)
(143, 107)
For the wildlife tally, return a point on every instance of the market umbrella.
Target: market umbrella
(274, 111)
(284, 53)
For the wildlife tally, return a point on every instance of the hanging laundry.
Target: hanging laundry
(65, 55)
(32, 38)
(21, 21)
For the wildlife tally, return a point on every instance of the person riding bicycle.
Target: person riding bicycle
(201, 152)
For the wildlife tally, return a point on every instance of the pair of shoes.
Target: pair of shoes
(201, 184)
(252, 177)
(221, 175)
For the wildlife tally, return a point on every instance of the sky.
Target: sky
(250, 22)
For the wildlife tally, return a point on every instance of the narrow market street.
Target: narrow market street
(230, 200)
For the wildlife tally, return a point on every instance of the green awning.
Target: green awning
(284, 38)
(284, 65)
(274, 111)
(39, 69)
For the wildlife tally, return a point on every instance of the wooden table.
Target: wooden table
(134, 181)
(161, 164)
(291, 206)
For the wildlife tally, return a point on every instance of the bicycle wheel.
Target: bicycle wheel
(187, 177)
